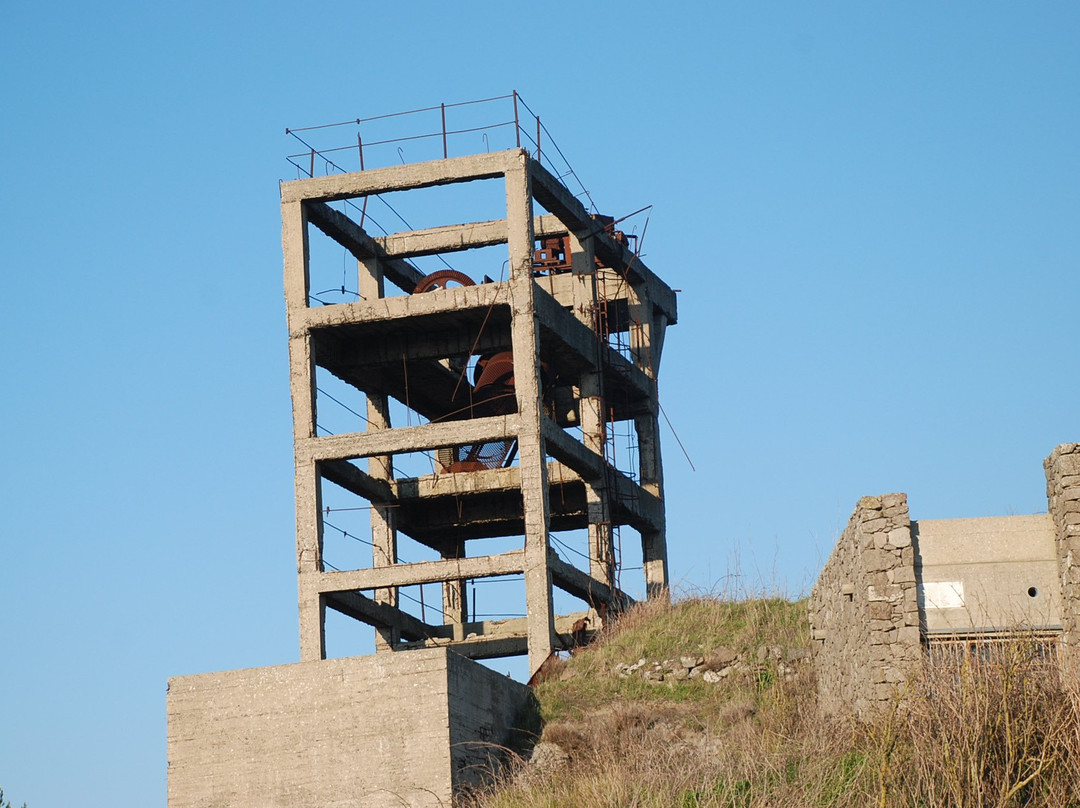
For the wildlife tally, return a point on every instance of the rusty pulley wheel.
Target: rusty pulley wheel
(443, 279)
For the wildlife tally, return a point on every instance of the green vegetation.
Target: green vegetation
(1002, 733)
(656, 631)
(7, 803)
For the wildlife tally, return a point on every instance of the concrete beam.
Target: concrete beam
(491, 639)
(475, 482)
(553, 195)
(485, 647)
(351, 445)
(518, 625)
(561, 325)
(362, 608)
(424, 386)
(387, 309)
(581, 585)
(570, 451)
(335, 352)
(422, 572)
(644, 510)
(408, 490)
(459, 237)
(356, 481)
(445, 239)
(483, 640)
(400, 178)
(353, 238)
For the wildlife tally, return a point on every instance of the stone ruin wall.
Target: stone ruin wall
(1063, 502)
(864, 611)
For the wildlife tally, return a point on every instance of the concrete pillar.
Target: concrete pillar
(309, 539)
(583, 264)
(651, 470)
(383, 519)
(601, 546)
(647, 428)
(641, 329)
(371, 286)
(454, 595)
(534, 484)
(591, 412)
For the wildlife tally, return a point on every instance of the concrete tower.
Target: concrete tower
(542, 368)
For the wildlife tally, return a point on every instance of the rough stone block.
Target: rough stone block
(903, 575)
(894, 675)
(878, 560)
(909, 635)
(900, 537)
(881, 610)
(1066, 465)
(873, 525)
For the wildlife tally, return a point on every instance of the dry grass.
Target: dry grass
(1003, 733)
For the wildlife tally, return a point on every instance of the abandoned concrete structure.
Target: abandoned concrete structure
(543, 362)
(540, 368)
(895, 590)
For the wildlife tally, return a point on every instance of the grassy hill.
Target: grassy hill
(711, 703)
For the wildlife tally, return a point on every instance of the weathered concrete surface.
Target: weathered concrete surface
(988, 573)
(383, 730)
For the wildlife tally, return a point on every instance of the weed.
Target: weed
(998, 732)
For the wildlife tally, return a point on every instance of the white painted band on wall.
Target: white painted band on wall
(942, 594)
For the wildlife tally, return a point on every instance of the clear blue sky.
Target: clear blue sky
(871, 210)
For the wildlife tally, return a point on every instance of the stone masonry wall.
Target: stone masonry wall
(864, 611)
(1063, 502)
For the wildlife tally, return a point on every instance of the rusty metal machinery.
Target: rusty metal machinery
(490, 393)
(553, 253)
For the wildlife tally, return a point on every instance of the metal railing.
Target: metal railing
(501, 122)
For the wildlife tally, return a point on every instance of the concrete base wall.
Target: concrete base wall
(390, 729)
